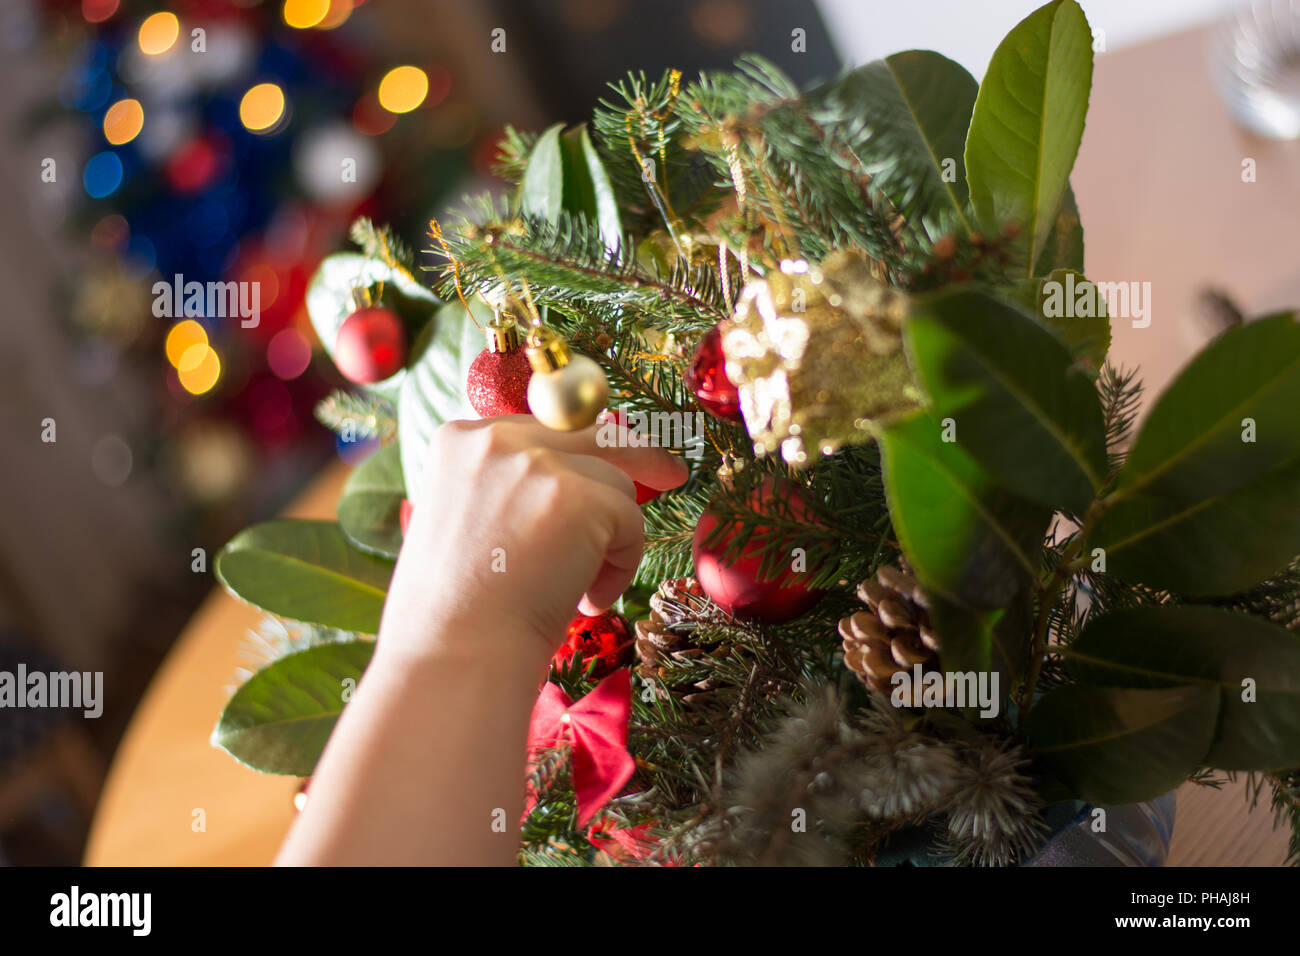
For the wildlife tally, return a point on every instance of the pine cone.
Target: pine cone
(676, 609)
(893, 635)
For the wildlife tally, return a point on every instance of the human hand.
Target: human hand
(521, 526)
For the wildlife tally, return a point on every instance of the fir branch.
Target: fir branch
(363, 416)
(379, 242)
(568, 266)
(512, 154)
(1121, 399)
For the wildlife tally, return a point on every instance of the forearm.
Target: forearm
(427, 756)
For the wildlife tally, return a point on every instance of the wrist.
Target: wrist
(468, 644)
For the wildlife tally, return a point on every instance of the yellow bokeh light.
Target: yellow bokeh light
(403, 89)
(159, 32)
(340, 10)
(123, 121)
(182, 337)
(262, 107)
(305, 14)
(199, 369)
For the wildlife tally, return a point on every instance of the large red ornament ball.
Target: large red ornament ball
(498, 383)
(736, 586)
(706, 377)
(371, 345)
(604, 638)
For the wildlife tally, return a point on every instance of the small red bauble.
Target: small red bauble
(736, 586)
(404, 515)
(604, 638)
(371, 345)
(706, 377)
(498, 383)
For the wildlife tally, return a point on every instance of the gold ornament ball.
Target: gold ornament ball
(569, 397)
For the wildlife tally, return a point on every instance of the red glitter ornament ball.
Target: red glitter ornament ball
(371, 345)
(498, 383)
(736, 586)
(706, 377)
(604, 638)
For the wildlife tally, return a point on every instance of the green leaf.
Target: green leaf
(306, 571)
(1197, 509)
(1121, 745)
(587, 187)
(1046, 297)
(968, 539)
(370, 510)
(917, 107)
(1064, 246)
(434, 389)
(1171, 646)
(330, 301)
(280, 719)
(984, 641)
(1022, 409)
(541, 192)
(1028, 122)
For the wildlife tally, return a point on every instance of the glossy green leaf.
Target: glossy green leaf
(1027, 124)
(1198, 508)
(1172, 646)
(306, 571)
(968, 539)
(917, 108)
(370, 510)
(587, 187)
(1083, 326)
(434, 390)
(330, 301)
(1022, 409)
(280, 719)
(984, 641)
(541, 191)
(1063, 248)
(1122, 745)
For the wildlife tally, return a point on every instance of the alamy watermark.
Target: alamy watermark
(55, 689)
(1083, 298)
(922, 688)
(684, 430)
(216, 300)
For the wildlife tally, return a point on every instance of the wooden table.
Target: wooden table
(1162, 199)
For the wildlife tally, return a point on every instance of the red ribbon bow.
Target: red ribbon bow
(596, 728)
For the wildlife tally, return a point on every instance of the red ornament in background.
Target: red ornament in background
(735, 585)
(604, 638)
(706, 377)
(371, 345)
(404, 515)
(497, 383)
(644, 493)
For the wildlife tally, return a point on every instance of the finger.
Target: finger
(643, 463)
(598, 471)
(625, 529)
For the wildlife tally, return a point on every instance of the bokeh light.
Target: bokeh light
(183, 337)
(199, 369)
(262, 107)
(371, 118)
(288, 354)
(305, 14)
(338, 14)
(110, 233)
(97, 11)
(103, 174)
(158, 33)
(123, 121)
(403, 88)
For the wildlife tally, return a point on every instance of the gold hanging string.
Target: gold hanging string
(657, 194)
(435, 232)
